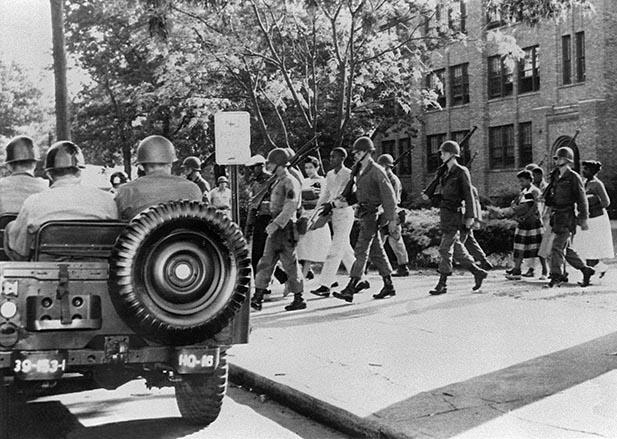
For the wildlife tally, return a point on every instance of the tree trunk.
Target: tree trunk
(63, 131)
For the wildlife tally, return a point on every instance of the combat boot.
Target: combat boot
(387, 290)
(440, 288)
(348, 291)
(587, 273)
(479, 275)
(298, 303)
(556, 281)
(257, 298)
(401, 271)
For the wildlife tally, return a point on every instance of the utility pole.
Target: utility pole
(63, 131)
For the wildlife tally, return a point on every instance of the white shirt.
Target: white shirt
(335, 183)
(220, 198)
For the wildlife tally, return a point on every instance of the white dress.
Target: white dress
(313, 246)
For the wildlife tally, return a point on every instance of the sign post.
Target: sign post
(232, 146)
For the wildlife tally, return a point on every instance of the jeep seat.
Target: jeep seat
(5, 218)
(76, 239)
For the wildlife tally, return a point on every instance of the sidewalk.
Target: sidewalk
(422, 366)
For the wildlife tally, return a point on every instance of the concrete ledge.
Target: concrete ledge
(323, 412)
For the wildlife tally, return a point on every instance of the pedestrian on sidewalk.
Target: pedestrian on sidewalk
(342, 221)
(374, 190)
(528, 234)
(596, 243)
(220, 196)
(282, 234)
(471, 244)
(397, 245)
(314, 244)
(564, 192)
(455, 189)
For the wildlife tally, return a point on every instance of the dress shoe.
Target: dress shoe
(257, 299)
(557, 280)
(298, 303)
(530, 273)
(322, 291)
(343, 295)
(401, 271)
(386, 291)
(362, 285)
(587, 273)
(440, 288)
(514, 274)
(479, 276)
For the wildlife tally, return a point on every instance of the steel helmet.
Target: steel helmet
(222, 179)
(156, 149)
(452, 147)
(290, 153)
(118, 178)
(279, 157)
(192, 162)
(364, 144)
(257, 159)
(385, 160)
(20, 149)
(64, 155)
(564, 152)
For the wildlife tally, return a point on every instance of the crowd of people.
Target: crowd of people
(300, 220)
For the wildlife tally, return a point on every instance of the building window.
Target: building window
(580, 56)
(404, 166)
(459, 84)
(525, 147)
(388, 147)
(529, 71)
(435, 83)
(432, 151)
(493, 18)
(566, 59)
(501, 147)
(458, 16)
(499, 78)
(457, 136)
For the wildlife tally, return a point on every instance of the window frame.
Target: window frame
(404, 168)
(566, 59)
(457, 136)
(534, 79)
(579, 43)
(430, 85)
(500, 76)
(433, 142)
(525, 149)
(505, 160)
(459, 24)
(459, 97)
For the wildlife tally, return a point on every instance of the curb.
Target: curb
(321, 411)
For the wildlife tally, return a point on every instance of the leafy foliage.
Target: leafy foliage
(19, 100)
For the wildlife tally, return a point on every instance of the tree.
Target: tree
(19, 100)
(63, 131)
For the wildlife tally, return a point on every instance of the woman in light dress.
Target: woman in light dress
(313, 246)
(596, 243)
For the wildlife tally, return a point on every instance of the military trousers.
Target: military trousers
(370, 245)
(398, 247)
(474, 248)
(280, 245)
(452, 247)
(561, 251)
(258, 239)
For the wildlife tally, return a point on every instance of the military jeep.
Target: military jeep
(161, 297)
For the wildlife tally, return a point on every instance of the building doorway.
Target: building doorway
(565, 141)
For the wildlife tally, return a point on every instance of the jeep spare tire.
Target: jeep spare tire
(179, 272)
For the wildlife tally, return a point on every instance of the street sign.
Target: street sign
(232, 137)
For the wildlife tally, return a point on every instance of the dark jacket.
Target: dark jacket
(374, 189)
(562, 194)
(456, 188)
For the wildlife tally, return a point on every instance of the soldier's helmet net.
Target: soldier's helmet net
(364, 144)
(278, 157)
(385, 160)
(20, 149)
(192, 162)
(564, 152)
(156, 149)
(452, 147)
(64, 155)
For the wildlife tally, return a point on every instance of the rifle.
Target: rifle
(432, 186)
(402, 156)
(548, 191)
(348, 193)
(303, 151)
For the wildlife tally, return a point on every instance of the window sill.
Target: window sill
(460, 106)
(500, 98)
(502, 170)
(574, 84)
(529, 93)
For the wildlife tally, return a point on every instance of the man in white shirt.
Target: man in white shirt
(220, 196)
(342, 222)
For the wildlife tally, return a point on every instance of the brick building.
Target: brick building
(524, 110)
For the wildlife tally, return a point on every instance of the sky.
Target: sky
(25, 37)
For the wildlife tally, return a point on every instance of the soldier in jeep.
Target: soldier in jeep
(21, 160)
(156, 155)
(66, 199)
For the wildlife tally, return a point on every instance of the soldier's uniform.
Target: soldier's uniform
(456, 188)
(258, 219)
(152, 189)
(397, 244)
(565, 191)
(15, 188)
(201, 182)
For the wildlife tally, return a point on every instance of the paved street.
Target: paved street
(423, 366)
(133, 412)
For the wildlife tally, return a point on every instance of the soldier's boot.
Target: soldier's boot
(587, 273)
(556, 280)
(298, 303)
(348, 291)
(257, 298)
(479, 275)
(362, 285)
(401, 271)
(441, 287)
(387, 290)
